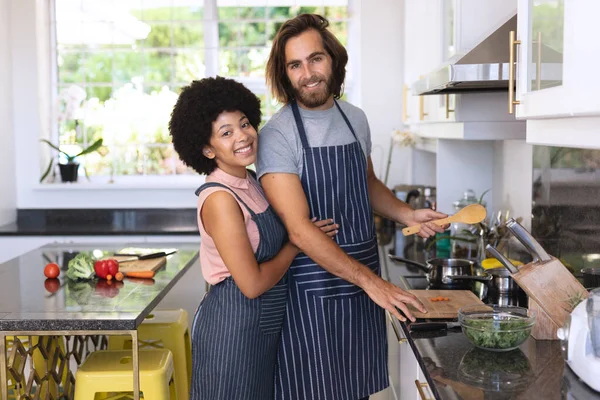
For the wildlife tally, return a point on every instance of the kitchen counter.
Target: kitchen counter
(455, 369)
(28, 301)
(61, 321)
(96, 222)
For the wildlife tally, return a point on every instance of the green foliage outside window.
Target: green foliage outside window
(131, 87)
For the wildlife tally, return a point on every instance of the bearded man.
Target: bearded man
(314, 161)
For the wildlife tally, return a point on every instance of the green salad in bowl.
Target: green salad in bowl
(496, 328)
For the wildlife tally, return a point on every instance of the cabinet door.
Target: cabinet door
(540, 26)
(393, 357)
(422, 36)
(557, 59)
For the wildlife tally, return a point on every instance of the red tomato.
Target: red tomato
(100, 268)
(112, 267)
(52, 284)
(51, 270)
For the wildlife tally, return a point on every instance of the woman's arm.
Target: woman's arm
(224, 222)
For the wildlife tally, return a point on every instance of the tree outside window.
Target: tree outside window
(132, 57)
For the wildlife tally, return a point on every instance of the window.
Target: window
(120, 65)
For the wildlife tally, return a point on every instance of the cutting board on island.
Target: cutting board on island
(152, 264)
(443, 309)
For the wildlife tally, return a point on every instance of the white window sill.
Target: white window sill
(170, 182)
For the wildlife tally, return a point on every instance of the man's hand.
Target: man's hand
(424, 216)
(392, 298)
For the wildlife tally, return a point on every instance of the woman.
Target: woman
(244, 251)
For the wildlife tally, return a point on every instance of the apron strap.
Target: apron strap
(216, 184)
(346, 119)
(300, 125)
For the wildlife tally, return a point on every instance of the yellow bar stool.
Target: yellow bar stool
(168, 329)
(109, 374)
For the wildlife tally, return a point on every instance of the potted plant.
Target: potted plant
(69, 170)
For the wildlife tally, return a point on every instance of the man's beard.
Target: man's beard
(314, 99)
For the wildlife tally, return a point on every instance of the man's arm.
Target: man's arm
(285, 194)
(387, 205)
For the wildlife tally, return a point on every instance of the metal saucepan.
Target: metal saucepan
(444, 271)
(502, 280)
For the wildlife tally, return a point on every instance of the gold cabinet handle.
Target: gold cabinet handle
(404, 103)
(448, 109)
(420, 387)
(422, 113)
(512, 102)
(400, 339)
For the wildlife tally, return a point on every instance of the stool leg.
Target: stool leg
(136, 364)
(3, 376)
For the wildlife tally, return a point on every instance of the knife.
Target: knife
(503, 260)
(432, 326)
(532, 245)
(136, 257)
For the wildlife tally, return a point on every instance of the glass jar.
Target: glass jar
(465, 237)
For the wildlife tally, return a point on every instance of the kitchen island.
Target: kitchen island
(447, 365)
(71, 318)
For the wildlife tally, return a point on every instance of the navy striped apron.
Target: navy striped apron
(235, 339)
(334, 344)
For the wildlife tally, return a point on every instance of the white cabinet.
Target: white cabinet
(557, 88)
(422, 33)
(557, 57)
(405, 372)
(446, 30)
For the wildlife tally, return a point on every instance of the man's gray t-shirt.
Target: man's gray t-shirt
(280, 146)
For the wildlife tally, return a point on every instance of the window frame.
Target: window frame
(211, 50)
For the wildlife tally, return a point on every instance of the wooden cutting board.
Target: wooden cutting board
(152, 264)
(443, 309)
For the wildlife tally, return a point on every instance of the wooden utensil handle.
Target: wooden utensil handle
(411, 230)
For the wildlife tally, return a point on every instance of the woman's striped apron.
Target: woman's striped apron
(235, 339)
(334, 342)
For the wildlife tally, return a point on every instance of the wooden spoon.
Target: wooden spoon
(471, 214)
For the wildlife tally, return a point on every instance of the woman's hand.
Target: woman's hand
(327, 226)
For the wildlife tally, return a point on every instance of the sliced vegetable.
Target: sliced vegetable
(140, 274)
(81, 267)
(439, 298)
(119, 276)
(51, 270)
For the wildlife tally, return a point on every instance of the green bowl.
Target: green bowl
(496, 328)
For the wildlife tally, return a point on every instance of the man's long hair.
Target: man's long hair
(277, 79)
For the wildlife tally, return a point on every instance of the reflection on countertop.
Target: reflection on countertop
(455, 369)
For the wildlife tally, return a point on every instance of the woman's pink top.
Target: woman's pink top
(213, 267)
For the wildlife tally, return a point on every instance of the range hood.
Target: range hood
(485, 67)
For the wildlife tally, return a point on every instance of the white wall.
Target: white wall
(8, 203)
(381, 79)
(513, 178)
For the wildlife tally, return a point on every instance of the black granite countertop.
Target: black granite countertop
(56, 222)
(455, 369)
(30, 302)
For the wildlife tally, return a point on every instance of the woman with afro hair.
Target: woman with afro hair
(244, 252)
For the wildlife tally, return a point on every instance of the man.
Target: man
(313, 161)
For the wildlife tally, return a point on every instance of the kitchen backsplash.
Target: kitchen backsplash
(566, 209)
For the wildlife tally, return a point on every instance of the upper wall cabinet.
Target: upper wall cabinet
(445, 32)
(557, 57)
